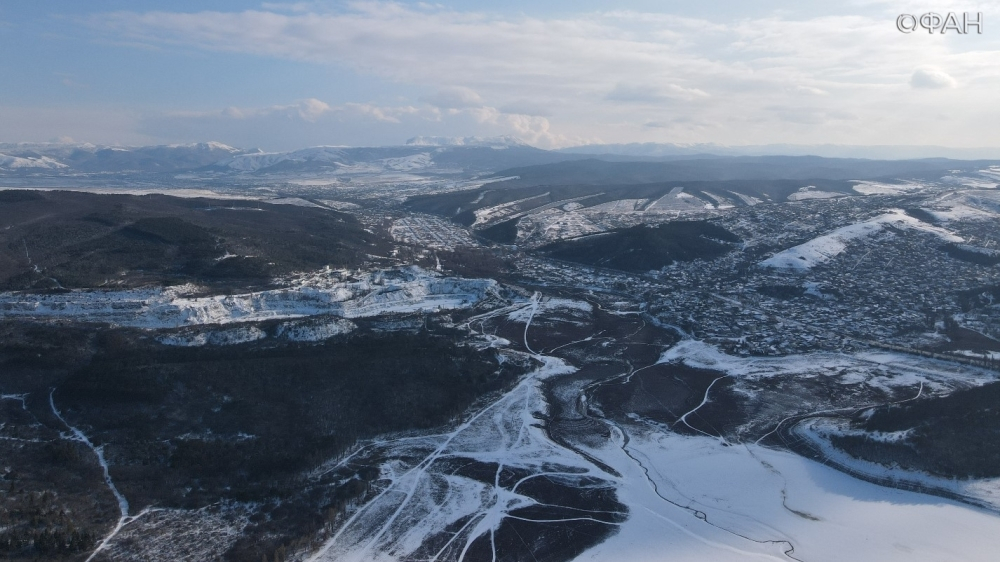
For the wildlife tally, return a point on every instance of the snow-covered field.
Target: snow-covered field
(968, 205)
(879, 188)
(883, 370)
(677, 201)
(823, 248)
(810, 192)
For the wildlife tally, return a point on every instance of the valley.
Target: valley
(420, 353)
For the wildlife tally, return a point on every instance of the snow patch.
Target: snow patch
(883, 370)
(879, 188)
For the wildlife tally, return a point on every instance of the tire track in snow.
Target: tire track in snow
(419, 471)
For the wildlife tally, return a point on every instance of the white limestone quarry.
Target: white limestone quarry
(326, 291)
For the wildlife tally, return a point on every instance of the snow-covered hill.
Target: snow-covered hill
(23, 162)
(332, 155)
(88, 158)
(823, 248)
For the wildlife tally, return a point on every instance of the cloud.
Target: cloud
(310, 109)
(931, 78)
(455, 97)
(609, 73)
(314, 122)
(653, 93)
(677, 123)
(809, 90)
(306, 110)
(526, 107)
(293, 7)
(809, 115)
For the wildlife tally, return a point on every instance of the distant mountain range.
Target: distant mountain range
(470, 154)
(629, 163)
(878, 152)
(26, 158)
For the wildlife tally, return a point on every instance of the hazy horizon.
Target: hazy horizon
(640, 150)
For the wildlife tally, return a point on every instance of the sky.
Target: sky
(280, 76)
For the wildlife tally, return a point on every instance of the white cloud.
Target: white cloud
(931, 78)
(314, 122)
(836, 78)
(652, 94)
(454, 97)
(527, 107)
(310, 109)
(307, 110)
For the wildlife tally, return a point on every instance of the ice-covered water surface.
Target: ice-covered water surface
(706, 497)
(746, 502)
